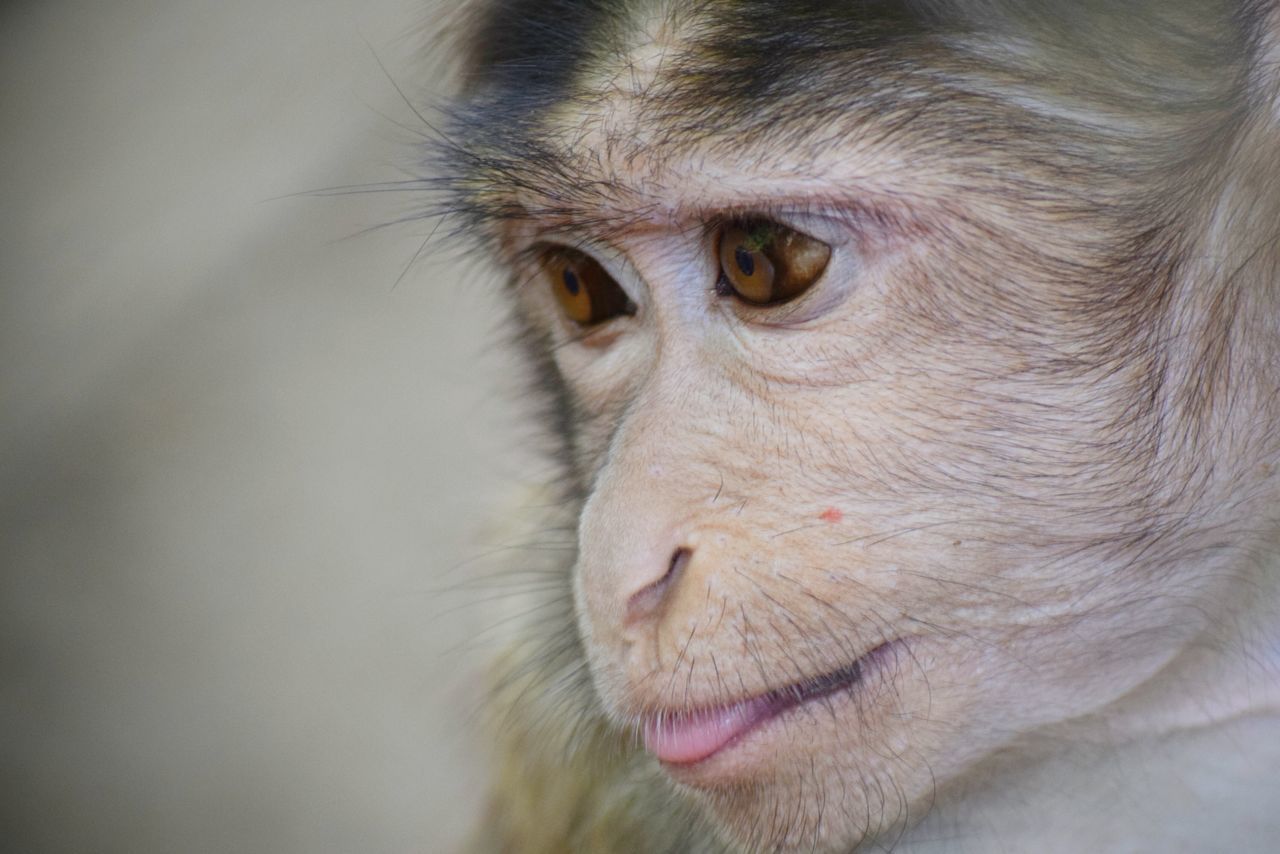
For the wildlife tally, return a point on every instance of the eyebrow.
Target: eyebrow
(574, 198)
(488, 175)
(528, 181)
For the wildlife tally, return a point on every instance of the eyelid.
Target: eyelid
(830, 225)
(559, 245)
(537, 250)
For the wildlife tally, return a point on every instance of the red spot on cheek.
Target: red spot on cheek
(831, 514)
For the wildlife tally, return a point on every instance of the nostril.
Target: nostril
(648, 600)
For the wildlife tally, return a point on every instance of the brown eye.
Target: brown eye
(586, 293)
(764, 262)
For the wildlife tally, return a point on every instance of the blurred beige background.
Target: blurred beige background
(238, 461)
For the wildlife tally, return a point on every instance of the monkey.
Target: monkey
(913, 374)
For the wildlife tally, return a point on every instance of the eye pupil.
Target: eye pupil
(587, 294)
(763, 262)
(571, 282)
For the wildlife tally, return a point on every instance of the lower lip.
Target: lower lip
(689, 738)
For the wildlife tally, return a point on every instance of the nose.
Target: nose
(629, 576)
(647, 603)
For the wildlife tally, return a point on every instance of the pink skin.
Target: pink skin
(685, 739)
(688, 737)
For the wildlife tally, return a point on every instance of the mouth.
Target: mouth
(686, 738)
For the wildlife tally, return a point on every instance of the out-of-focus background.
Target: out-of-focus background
(244, 462)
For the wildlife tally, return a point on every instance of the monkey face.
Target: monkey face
(882, 426)
(837, 546)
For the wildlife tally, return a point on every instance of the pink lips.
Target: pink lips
(687, 737)
(684, 739)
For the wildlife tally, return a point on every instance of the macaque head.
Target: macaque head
(915, 366)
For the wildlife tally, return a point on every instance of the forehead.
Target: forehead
(542, 46)
(579, 107)
(587, 110)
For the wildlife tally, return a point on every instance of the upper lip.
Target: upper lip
(687, 736)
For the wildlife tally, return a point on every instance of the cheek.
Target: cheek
(980, 498)
(980, 524)
(602, 383)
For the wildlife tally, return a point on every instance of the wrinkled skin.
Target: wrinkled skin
(1014, 455)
